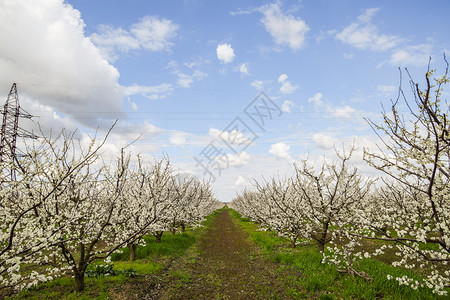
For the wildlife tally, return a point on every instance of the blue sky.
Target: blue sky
(181, 75)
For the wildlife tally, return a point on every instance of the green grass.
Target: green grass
(322, 280)
(141, 266)
(62, 288)
(171, 245)
(268, 240)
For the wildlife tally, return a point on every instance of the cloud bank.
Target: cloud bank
(52, 60)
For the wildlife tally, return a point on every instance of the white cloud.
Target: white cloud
(232, 137)
(111, 40)
(172, 64)
(343, 112)
(154, 34)
(282, 78)
(287, 106)
(257, 84)
(243, 68)
(178, 138)
(49, 119)
(280, 150)
(186, 80)
(192, 64)
(151, 92)
(323, 141)
(241, 181)
(387, 88)
(285, 29)
(45, 50)
(346, 112)
(225, 53)
(129, 131)
(368, 14)
(133, 104)
(241, 12)
(364, 35)
(238, 160)
(412, 56)
(288, 88)
(316, 100)
(151, 33)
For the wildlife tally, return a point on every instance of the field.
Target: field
(228, 258)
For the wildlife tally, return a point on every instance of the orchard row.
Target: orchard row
(407, 209)
(65, 207)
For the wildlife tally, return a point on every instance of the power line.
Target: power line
(170, 87)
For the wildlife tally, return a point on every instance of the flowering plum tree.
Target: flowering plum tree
(309, 204)
(329, 196)
(148, 192)
(411, 212)
(284, 211)
(68, 208)
(27, 234)
(417, 156)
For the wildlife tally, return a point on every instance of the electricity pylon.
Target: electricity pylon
(12, 112)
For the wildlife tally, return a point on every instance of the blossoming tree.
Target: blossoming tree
(411, 211)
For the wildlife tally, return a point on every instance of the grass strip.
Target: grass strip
(322, 280)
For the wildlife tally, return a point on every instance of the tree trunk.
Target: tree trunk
(79, 271)
(132, 248)
(323, 239)
(183, 227)
(294, 241)
(158, 236)
(79, 279)
(321, 246)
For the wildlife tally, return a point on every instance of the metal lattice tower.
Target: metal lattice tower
(10, 127)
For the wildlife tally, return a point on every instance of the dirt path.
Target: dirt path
(225, 265)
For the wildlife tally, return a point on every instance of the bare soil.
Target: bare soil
(225, 265)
